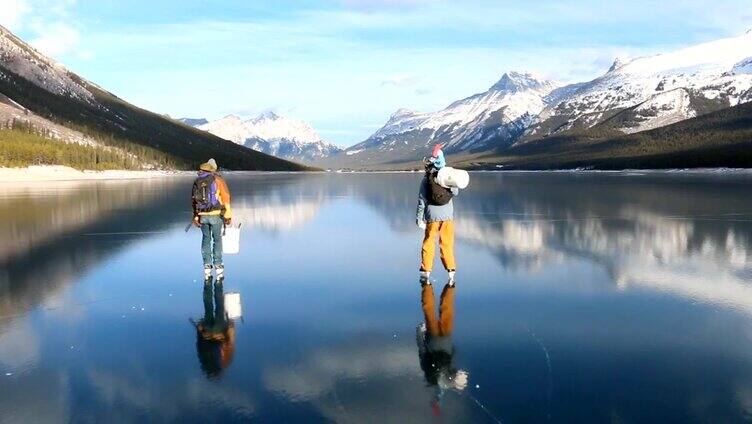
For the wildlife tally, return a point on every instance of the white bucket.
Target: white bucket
(233, 307)
(231, 240)
(449, 177)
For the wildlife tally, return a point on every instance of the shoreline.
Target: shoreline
(572, 171)
(43, 173)
(50, 173)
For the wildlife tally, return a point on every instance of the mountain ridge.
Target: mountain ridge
(633, 95)
(504, 110)
(273, 134)
(47, 91)
(721, 138)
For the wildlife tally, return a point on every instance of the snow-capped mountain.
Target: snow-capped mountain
(273, 134)
(633, 95)
(503, 111)
(38, 92)
(650, 92)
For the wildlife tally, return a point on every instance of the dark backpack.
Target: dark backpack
(205, 194)
(437, 195)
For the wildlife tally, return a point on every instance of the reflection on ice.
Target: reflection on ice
(46, 248)
(363, 381)
(319, 346)
(19, 346)
(435, 346)
(127, 395)
(36, 214)
(319, 375)
(215, 333)
(276, 215)
(691, 243)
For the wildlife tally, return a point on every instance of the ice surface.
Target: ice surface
(566, 281)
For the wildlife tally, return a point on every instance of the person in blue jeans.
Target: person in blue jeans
(211, 212)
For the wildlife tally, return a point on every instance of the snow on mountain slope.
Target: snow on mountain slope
(503, 111)
(633, 95)
(515, 97)
(662, 109)
(706, 77)
(273, 134)
(743, 67)
(21, 59)
(270, 126)
(230, 127)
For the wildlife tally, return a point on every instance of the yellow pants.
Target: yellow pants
(443, 325)
(445, 230)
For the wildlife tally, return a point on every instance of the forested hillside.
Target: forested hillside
(718, 139)
(40, 87)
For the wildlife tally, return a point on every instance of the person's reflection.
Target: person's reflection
(435, 347)
(215, 333)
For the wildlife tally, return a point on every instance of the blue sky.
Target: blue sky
(345, 65)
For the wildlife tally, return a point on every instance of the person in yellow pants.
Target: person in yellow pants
(435, 215)
(445, 232)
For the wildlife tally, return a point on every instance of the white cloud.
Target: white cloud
(55, 39)
(381, 4)
(19, 345)
(374, 49)
(13, 12)
(400, 81)
(45, 22)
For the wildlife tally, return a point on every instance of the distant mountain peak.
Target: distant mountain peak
(619, 61)
(403, 113)
(268, 115)
(273, 134)
(519, 81)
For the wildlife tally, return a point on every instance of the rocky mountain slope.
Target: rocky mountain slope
(38, 91)
(504, 111)
(274, 135)
(632, 96)
(654, 91)
(193, 122)
(717, 139)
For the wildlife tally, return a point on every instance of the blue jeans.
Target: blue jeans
(211, 242)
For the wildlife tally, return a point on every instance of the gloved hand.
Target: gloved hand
(420, 223)
(228, 221)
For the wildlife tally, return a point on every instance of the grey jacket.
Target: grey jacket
(433, 213)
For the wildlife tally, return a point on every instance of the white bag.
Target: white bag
(233, 307)
(231, 240)
(449, 177)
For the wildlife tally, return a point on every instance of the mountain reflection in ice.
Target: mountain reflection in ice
(51, 232)
(670, 233)
(674, 235)
(578, 294)
(279, 204)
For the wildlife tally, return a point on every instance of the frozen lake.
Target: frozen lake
(580, 298)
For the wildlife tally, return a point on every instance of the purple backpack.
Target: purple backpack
(205, 193)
